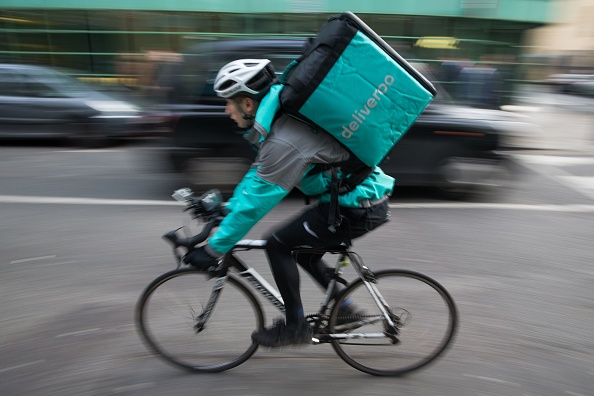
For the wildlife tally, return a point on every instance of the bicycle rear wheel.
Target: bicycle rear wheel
(171, 306)
(425, 316)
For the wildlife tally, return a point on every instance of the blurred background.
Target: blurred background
(126, 43)
(107, 107)
(146, 71)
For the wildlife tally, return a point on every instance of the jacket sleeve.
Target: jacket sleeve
(231, 202)
(252, 200)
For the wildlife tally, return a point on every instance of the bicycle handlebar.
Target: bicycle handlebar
(207, 206)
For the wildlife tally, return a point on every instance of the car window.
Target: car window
(10, 84)
(39, 82)
(34, 88)
(49, 82)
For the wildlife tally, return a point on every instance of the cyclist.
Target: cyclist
(290, 154)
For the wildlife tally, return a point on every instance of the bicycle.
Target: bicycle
(202, 320)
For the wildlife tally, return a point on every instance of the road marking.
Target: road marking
(577, 208)
(18, 366)
(554, 160)
(63, 262)
(83, 201)
(91, 151)
(496, 206)
(75, 333)
(134, 387)
(491, 379)
(521, 109)
(583, 182)
(556, 173)
(32, 259)
(417, 260)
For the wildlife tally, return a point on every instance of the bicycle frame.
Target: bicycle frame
(272, 295)
(251, 275)
(337, 321)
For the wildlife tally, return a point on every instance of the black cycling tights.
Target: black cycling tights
(311, 229)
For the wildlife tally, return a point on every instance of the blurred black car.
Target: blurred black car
(451, 147)
(38, 102)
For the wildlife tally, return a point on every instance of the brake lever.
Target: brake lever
(172, 237)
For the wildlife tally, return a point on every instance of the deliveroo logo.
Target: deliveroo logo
(359, 115)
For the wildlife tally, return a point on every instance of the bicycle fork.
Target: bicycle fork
(245, 272)
(214, 296)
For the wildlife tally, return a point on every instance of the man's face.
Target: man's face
(237, 107)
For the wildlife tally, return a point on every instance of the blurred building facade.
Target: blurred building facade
(566, 45)
(111, 39)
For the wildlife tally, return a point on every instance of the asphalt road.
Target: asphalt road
(81, 239)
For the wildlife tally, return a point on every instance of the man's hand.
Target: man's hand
(200, 259)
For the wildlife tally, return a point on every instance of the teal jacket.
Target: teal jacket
(288, 150)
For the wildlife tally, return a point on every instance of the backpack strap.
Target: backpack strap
(352, 173)
(347, 182)
(334, 218)
(351, 179)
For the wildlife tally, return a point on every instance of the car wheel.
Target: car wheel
(455, 178)
(450, 180)
(461, 177)
(222, 173)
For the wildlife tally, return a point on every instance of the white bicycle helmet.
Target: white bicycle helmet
(247, 77)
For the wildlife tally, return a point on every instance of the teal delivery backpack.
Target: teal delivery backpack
(353, 85)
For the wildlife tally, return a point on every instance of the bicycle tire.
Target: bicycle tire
(170, 306)
(429, 322)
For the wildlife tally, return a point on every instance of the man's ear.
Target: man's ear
(248, 103)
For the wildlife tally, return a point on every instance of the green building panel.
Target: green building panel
(538, 11)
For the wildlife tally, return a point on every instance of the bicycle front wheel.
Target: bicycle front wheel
(171, 313)
(424, 314)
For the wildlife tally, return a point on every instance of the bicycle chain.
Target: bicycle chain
(314, 318)
(323, 320)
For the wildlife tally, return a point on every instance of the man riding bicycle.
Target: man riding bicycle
(291, 154)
